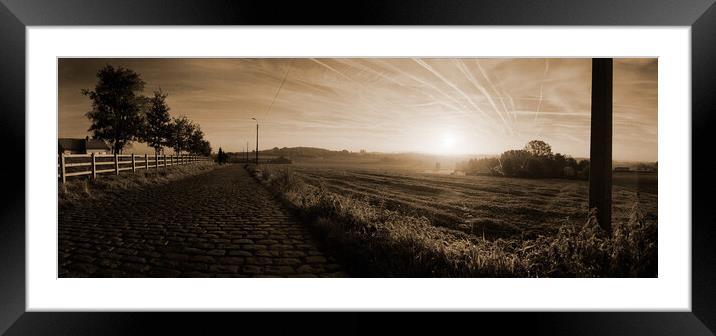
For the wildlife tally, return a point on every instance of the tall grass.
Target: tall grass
(374, 241)
(81, 189)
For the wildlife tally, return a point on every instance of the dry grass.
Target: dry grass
(374, 240)
(498, 206)
(78, 190)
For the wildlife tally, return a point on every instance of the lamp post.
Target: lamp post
(257, 141)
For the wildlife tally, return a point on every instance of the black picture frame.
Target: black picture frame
(16, 15)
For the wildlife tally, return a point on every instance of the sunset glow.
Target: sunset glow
(453, 106)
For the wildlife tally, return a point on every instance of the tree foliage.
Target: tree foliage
(121, 114)
(181, 131)
(222, 157)
(536, 160)
(514, 162)
(197, 144)
(538, 148)
(117, 106)
(157, 128)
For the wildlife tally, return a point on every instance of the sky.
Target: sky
(431, 105)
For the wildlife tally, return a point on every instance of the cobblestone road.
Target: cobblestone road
(218, 224)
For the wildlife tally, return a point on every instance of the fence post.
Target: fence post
(62, 167)
(156, 161)
(165, 161)
(134, 164)
(94, 167)
(146, 162)
(116, 164)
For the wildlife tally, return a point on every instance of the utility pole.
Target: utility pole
(257, 141)
(600, 152)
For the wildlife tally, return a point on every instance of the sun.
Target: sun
(449, 141)
(445, 141)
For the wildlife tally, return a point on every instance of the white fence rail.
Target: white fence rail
(93, 164)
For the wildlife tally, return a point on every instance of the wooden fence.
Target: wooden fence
(93, 164)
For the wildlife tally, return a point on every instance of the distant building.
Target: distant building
(621, 169)
(82, 146)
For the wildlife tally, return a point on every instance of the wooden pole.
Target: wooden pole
(600, 154)
(116, 164)
(156, 161)
(62, 167)
(94, 167)
(134, 164)
(146, 162)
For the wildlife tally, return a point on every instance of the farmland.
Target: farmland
(391, 220)
(480, 205)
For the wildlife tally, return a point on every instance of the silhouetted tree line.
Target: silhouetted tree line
(535, 160)
(121, 114)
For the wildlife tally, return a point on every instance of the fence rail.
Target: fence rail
(69, 165)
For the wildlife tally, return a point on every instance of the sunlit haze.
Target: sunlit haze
(437, 106)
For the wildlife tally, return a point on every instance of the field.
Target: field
(493, 206)
(389, 220)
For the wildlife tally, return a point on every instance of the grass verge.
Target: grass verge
(78, 190)
(377, 242)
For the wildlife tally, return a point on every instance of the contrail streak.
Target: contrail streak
(461, 66)
(452, 99)
(457, 89)
(285, 75)
(493, 87)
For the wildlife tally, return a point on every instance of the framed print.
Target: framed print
(500, 159)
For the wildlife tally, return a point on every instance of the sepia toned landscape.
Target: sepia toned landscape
(343, 167)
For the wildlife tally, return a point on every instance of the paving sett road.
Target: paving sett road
(218, 224)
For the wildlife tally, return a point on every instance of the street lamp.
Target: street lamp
(257, 141)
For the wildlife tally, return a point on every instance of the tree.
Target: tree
(222, 157)
(538, 148)
(181, 131)
(195, 139)
(513, 162)
(205, 148)
(117, 106)
(157, 128)
(197, 144)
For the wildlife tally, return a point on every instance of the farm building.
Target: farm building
(621, 169)
(82, 146)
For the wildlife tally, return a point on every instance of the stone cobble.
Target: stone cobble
(218, 224)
